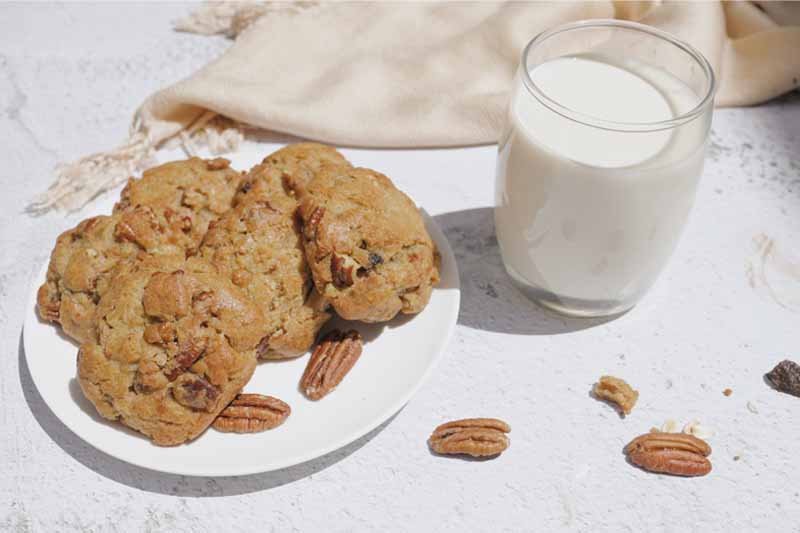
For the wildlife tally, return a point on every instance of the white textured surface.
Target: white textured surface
(70, 76)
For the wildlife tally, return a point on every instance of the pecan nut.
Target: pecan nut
(478, 437)
(617, 391)
(330, 361)
(185, 358)
(678, 454)
(342, 271)
(252, 413)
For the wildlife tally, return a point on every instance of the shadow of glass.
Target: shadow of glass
(489, 299)
(158, 482)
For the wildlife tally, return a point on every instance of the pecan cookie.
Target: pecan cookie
(289, 170)
(257, 245)
(87, 257)
(163, 214)
(184, 196)
(171, 350)
(366, 244)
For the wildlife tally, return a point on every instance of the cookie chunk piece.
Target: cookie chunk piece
(184, 196)
(87, 257)
(171, 349)
(289, 170)
(366, 244)
(258, 246)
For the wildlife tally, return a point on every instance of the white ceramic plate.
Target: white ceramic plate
(397, 358)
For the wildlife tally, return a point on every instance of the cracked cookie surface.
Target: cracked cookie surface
(257, 245)
(288, 170)
(171, 349)
(163, 214)
(185, 196)
(366, 243)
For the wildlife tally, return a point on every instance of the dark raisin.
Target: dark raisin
(195, 392)
(785, 377)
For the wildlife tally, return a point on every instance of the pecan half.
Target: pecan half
(617, 391)
(195, 392)
(330, 361)
(341, 271)
(678, 454)
(251, 413)
(478, 437)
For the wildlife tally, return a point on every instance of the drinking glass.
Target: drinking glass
(599, 162)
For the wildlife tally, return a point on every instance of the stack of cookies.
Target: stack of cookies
(200, 271)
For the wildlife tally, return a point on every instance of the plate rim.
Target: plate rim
(448, 258)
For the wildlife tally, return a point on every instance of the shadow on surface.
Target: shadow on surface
(170, 484)
(489, 300)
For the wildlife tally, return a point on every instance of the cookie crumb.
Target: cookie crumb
(698, 430)
(736, 457)
(670, 426)
(752, 408)
(727, 392)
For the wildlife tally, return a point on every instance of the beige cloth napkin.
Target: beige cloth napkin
(401, 74)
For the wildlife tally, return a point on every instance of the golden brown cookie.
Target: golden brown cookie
(171, 349)
(163, 214)
(366, 244)
(184, 196)
(87, 257)
(258, 246)
(289, 170)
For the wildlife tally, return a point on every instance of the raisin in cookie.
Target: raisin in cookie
(289, 170)
(171, 349)
(366, 244)
(258, 246)
(184, 196)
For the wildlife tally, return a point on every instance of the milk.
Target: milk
(587, 217)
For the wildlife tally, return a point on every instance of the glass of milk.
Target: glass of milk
(599, 163)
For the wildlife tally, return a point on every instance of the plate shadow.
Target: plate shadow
(489, 300)
(169, 484)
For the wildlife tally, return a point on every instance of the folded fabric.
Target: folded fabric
(388, 74)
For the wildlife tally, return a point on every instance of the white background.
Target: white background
(70, 78)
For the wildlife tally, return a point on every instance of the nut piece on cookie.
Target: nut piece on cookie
(366, 243)
(478, 437)
(172, 349)
(617, 391)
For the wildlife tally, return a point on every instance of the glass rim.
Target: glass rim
(589, 120)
